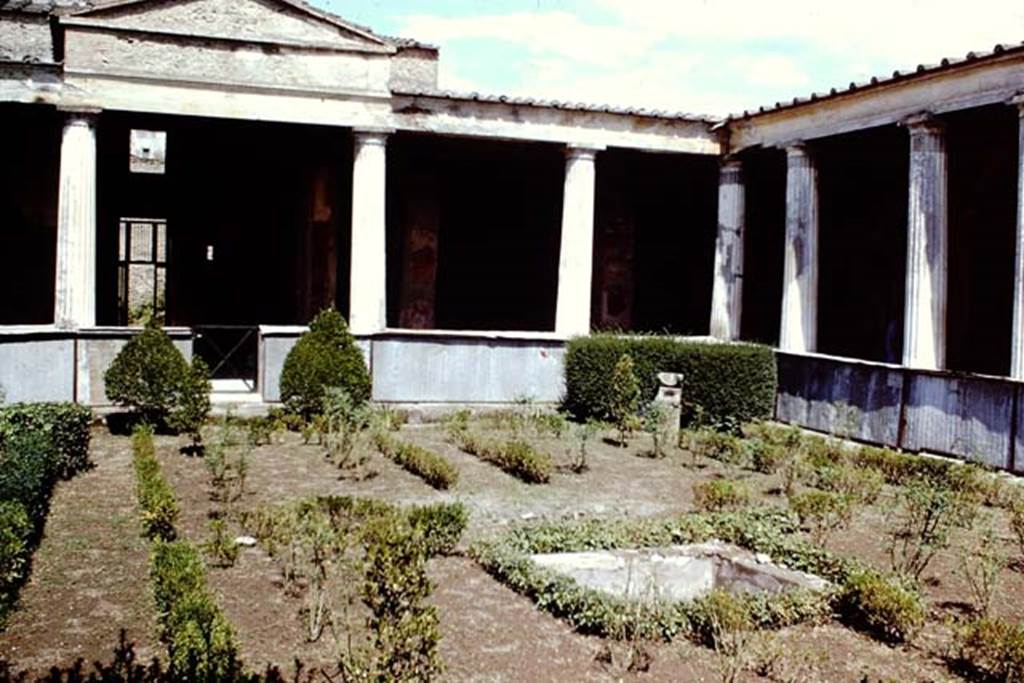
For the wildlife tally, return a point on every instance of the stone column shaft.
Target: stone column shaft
(1017, 355)
(727, 295)
(75, 286)
(368, 291)
(924, 337)
(576, 256)
(799, 327)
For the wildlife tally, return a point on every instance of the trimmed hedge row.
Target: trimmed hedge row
(64, 425)
(201, 643)
(879, 604)
(723, 384)
(431, 467)
(516, 457)
(159, 508)
(39, 444)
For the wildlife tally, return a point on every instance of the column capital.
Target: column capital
(730, 170)
(1017, 101)
(372, 136)
(924, 123)
(584, 152)
(80, 116)
(796, 149)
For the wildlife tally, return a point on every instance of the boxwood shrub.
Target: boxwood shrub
(723, 384)
(39, 443)
(326, 356)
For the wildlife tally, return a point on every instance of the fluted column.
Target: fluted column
(1017, 355)
(727, 295)
(368, 270)
(75, 286)
(799, 328)
(576, 255)
(924, 337)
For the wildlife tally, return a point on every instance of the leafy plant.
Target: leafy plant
(582, 435)
(220, 547)
(434, 469)
(822, 512)
(156, 498)
(624, 398)
(925, 515)
(65, 426)
(993, 648)
(889, 609)
(193, 405)
(981, 562)
(515, 456)
(343, 419)
(326, 356)
(719, 495)
(657, 425)
(147, 375)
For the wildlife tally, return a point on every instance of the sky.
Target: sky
(698, 56)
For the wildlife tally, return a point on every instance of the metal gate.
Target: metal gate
(231, 351)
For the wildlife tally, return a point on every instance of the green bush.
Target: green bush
(515, 456)
(326, 356)
(147, 376)
(434, 469)
(159, 507)
(200, 640)
(65, 425)
(886, 608)
(440, 526)
(15, 532)
(993, 648)
(719, 495)
(193, 406)
(723, 385)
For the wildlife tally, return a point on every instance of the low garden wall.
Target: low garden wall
(966, 416)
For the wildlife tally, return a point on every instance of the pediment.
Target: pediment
(286, 22)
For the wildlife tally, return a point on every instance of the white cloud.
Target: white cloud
(714, 56)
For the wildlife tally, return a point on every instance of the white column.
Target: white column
(799, 329)
(368, 291)
(727, 295)
(924, 336)
(75, 286)
(1017, 355)
(576, 256)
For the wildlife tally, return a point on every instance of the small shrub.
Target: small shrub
(434, 469)
(515, 456)
(860, 486)
(220, 547)
(993, 648)
(15, 533)
(981, 561)
(582, 434)
(657, 425)
(822, 512)
(719, 495)
(925, 516)
(887, 608)
(711, 443)
(727, 384)
(440, 526)
(156, 498)
(1016, 511)
(326, 356)
(147, 375)
(193, 406)
(625, 397)
(341, 423)
(767, 457)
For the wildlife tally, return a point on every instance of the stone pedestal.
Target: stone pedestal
(1017, 355)
(924, 338)
(727, 295)
(799, 327)
(368, 292)
(670, 399)
(576, 257)
(75, 287)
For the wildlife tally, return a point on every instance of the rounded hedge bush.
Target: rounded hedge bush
(326, 356)
(148, 375)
